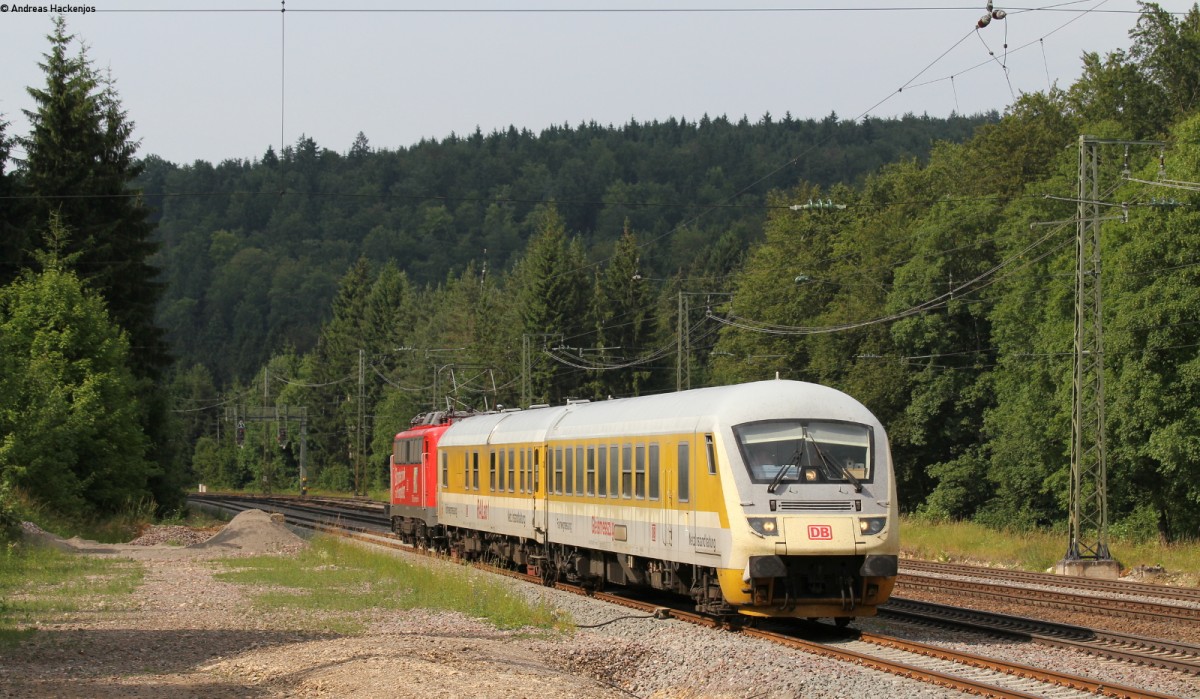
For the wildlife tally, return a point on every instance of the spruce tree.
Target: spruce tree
(79, 169)
(13, 244)
(622, 306)
(80, 165)
(550, 286)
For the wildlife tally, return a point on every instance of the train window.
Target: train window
(521, 471)
(614, 468)
(466, 470)
(445, 470)
(500, 482)
(591, 470)
(475, 470)
(601, 469)
(558, 470)
(684, 465)
(569, 468)
(806, 451)
(537, 469)
(639, 473)
(652, 473)
(712, 454)
(491, 471)
(579, 471)
(627, 471)
(512, 467)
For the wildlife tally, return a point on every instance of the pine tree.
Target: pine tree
(622, 306)
(80, 164)
(333, 402)
(14, 244)
(551, 285)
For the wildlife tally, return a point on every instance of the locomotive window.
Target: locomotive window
(614, 468)
(512, 467)
(639, 475)
(445, 470)
(569, 468)
(684, 465)
(491, 471)
(466, 470)
(652, 474)
(808, 451)
(579, 471)
(501, 483)
(591, 470)
(475, 470)
(712, 454)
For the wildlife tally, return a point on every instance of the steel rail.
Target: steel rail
(1061, 600)
(1180, 657)
(915, 568)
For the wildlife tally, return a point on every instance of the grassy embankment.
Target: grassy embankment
(42, 585)
(964, 542)
(333, 579)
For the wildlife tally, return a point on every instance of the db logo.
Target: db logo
(820, 532)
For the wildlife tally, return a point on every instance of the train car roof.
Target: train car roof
(669, 413)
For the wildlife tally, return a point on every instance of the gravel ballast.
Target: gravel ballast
(184, 634)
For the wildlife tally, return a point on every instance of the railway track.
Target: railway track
(1057, 598)
(947, 668)
(1181, 657)
(934, 664)
(911, 568)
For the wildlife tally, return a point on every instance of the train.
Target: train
(773, 498)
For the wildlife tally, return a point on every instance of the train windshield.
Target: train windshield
(806, 451)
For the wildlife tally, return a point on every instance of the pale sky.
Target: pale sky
(203, 83)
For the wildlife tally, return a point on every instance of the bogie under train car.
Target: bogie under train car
(773, 498)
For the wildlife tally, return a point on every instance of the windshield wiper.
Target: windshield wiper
(783, 471)
(858, 486)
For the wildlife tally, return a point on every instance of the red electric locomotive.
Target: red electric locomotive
(412, 506)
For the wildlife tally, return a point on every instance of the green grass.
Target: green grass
(332, 579)
(40, 585)
(965, 542)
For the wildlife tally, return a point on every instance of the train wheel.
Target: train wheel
(548, 572)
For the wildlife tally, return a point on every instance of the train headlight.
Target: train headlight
(871, 525)
(810, 474)
(764, 526)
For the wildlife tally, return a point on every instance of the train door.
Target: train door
(539, 496)
(679, 499)
(703, 473)
(662, 489)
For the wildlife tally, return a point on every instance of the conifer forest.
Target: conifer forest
(927, 266)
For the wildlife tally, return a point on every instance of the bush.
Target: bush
(1138, 527)
(10, 519)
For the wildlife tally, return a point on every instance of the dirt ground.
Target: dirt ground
(183, 634)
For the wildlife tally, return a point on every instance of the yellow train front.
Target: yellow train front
(773, 498)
